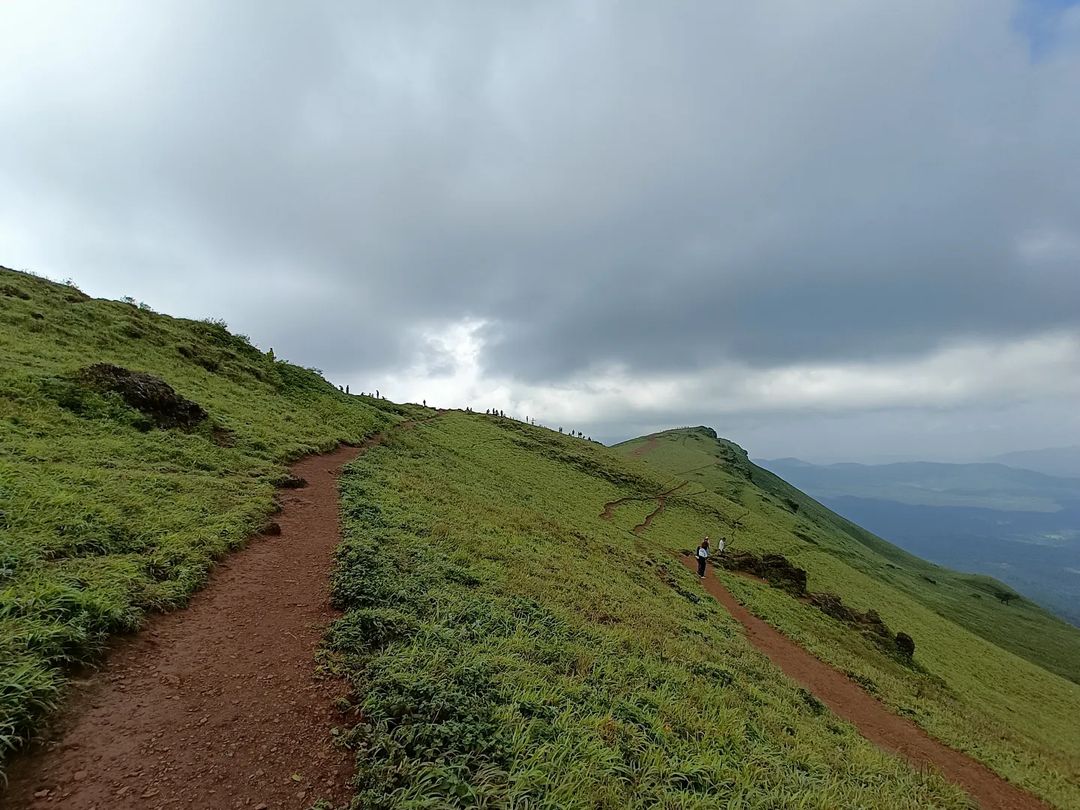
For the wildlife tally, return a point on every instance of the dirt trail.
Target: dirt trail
(661, 505)
(610, 506)
(873, 720)
(217, 705)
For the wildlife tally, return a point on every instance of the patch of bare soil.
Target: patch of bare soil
(647, 447)
(217, 705)
(872, 719)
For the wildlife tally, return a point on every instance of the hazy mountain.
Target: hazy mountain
(986, 486)
(1064, 461)
(1019, 525)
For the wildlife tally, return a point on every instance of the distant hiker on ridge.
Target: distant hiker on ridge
(702, 556)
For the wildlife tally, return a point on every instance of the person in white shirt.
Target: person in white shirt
(702, 556)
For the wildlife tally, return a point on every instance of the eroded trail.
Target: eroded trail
(873, 720)
(661, 505)
(217, 705)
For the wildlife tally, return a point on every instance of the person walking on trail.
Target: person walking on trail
(702, 556)
(720, 546)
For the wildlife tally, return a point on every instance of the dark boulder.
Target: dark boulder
(775, 569)
(150, 395)
(905, 646)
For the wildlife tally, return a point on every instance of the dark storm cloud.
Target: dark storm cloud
(658, 187)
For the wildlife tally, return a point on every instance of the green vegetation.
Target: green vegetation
(104, 516)
(511, 648)
(805, 526)
(508, 645)
(984, 687)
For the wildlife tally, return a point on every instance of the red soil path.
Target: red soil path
(872, 719)
(218, 705)
(661, 505)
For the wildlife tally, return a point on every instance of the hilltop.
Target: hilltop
(517, 626)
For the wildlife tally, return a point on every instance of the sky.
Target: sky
(837, 231)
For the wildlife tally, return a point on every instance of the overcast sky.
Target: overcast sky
(841, 230)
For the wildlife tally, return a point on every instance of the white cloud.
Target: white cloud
(448, 373)
(610, 215)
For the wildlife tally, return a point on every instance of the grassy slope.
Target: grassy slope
(1022, 627)
(510, 648)
(100, 521)
(979, 694)
(506, 641)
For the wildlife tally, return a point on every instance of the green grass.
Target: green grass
(102, 519)
(996, 677)
(1022, 627)
(510, 648)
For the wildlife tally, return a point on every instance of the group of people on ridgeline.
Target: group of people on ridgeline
(345, 390)
(703, 554)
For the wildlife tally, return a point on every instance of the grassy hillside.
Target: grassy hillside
(105, 515)
(509, 647)
(1020, 626)
(985, 681)
(1020, 526)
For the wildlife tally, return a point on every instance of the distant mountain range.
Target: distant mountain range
(1019, 525)
(1064, 461)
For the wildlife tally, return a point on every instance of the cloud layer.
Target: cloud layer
(771, 213)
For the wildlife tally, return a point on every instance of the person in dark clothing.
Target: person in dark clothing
(702, 556)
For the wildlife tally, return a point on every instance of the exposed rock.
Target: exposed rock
(11, 291)
(870, 624)
(150, 395)
(776, 569)
(781, 573)
(905, 645)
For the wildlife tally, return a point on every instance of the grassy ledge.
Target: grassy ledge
(105, 516)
